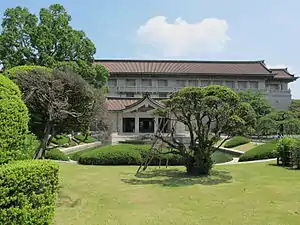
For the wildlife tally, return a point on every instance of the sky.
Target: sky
(188, 29)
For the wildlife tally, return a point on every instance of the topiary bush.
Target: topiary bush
(264, 151)
(14, 120)
(56, 154)
(89, 139)
(236, 141)
(28, 192)
(13, 72)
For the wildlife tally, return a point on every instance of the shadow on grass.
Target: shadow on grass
(65, 200)
(285, 167)
(177, 178)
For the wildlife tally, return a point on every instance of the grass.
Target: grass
(235, 194)
(245, 147)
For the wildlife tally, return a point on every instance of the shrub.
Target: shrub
(127, 154)
(133, 142)
(89, 139)
(28, 192)
(13, 72)
(13, 122)
(285, 148)
(56, 154)
(264, 151)
(296, 155)
(236, 141)
(60, 139)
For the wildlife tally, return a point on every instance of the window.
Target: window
(274, 86)
(205, 83)
(130, 94)
(130, 83)
(242, 84)
(180, 83)
(193, 83)
(217, 82)
(253, 84)
(112, 83)
(162, 95)
(229, 84)
(146, 82)
(162, 83)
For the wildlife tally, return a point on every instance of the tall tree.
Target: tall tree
(63, 101)
(258, 102)
(208, 113)
(46, 40)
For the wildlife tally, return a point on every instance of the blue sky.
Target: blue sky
(191, 29)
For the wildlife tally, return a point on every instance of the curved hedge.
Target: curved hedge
(28, 192)
(264, 151)
(56, 154)
(236, 141)
(13, 72)
(89, 139)
(128, 154)
(14, 120)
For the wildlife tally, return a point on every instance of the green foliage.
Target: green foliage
(47, 40)
(60, 139)
(295, 105)
(134, 142)
(266, 126)
(28, 192)
(12, 73)
(286, 122)
(89, 139)
(56, 154)
(13, 122)
(221, 157)
(258, 102)
(285, 148)
(264, 151)
(236, 141)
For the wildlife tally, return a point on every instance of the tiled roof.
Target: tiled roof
(282, 73)
(185, 67)
(118, 104)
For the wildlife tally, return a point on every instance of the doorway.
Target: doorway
(146, 125)
(128, 125)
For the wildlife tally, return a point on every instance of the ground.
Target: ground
(259, 193)
(245, 147)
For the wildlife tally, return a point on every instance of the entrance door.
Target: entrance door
(146, 125)
(128, 125)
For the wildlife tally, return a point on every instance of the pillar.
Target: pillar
(137, 124)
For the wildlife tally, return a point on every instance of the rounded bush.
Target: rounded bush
(56, 154)
(13, 72)
(89, 139)
(236, 141)
(60, 139)
(264, 151)
(13, 122)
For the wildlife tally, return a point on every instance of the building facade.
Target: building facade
(131, 110)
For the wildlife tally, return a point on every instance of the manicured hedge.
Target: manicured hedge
(56, 154)
(28, 192)
(127, 154)
(60, 139)
(14, 120)
(264, 151)
(236, 141)
(15, 71)
(89, 139)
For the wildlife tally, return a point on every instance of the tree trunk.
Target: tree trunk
(199, 164)
(41, 150)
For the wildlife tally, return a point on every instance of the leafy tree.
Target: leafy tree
(295, 107)
(13, 122)
(46, 40)
(266, 126)
(208, 113)
(63, 100)
(286, 122)
(258, 102)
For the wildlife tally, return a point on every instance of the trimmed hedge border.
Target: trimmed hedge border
(56, 154)
(264, 151)
(236, 141)
(28, 192)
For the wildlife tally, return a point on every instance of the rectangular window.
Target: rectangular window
(130, 94)
(253, 84)
(229, 84)
(217, 82)
(146, 82)
(274, 86)
(180, 83)
(193, 83)
(205, 83)
(130, 82)
(242, 84)
(162, 83)
(162, 95)
(112, 83)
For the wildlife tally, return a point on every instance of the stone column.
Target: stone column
(155, 124)
(137, 124)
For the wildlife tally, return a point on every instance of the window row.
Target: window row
(183, 83)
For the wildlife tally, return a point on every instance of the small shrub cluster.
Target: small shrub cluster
(264, 151)
(56, 154)
(236, 141)
(89, 139)
(128, 154)
(289, 151)
(133, 142)
(60, 139)
(28, 192)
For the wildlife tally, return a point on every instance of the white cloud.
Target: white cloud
(182, 38)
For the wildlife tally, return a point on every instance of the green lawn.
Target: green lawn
(236, 194)
(245, 147)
